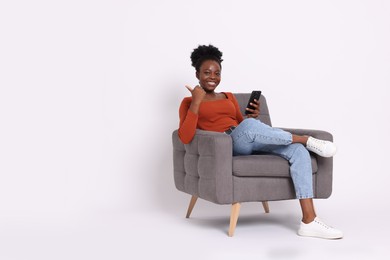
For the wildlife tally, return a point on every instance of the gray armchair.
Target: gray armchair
(206, 169)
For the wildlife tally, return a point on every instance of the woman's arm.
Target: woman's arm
(188, 121)
(188, 113)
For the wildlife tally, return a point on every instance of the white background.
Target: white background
(89, 97)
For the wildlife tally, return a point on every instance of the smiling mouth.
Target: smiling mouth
(211, 83)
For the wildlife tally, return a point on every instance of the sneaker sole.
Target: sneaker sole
(318, 235)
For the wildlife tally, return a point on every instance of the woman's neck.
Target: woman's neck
(214, 96)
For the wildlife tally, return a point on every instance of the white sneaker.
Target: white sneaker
(321, 147)
(319, 229)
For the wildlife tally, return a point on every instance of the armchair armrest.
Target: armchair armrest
(324, 176)
(319, 134)
(203, 168)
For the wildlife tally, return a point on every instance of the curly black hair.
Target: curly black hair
(204, 52)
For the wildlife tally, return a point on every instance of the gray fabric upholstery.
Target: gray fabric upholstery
(206, 168)
(264, 165)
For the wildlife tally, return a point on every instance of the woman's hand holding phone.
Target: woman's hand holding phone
(253, 108)
(254, 112)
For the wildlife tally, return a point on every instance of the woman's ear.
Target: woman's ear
(197, 74)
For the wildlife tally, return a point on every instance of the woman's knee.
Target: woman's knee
(249, 122)
(253, 124)
(300, 152)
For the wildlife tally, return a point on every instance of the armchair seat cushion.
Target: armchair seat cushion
(264, 165)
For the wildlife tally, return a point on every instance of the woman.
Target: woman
(220, 112)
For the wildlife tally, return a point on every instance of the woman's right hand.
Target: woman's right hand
(197, 93)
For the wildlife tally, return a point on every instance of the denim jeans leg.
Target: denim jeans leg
(252, 134)
(300, 167)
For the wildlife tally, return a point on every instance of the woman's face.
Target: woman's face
(209, 75)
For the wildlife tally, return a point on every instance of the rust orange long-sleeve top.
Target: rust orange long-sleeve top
(217, 115)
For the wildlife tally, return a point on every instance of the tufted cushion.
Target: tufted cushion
(204, 167)
(265, 165)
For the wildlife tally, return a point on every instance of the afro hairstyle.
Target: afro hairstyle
(203, 53)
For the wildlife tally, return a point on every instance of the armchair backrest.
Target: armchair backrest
(243, 98)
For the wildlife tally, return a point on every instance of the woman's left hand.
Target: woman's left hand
(256, 111)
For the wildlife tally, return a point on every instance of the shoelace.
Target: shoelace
(323, 224)
(317, 144)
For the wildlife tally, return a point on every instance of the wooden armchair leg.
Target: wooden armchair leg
(234, 217)
(265, 206)
(191, 206)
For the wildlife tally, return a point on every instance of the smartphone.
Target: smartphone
(254, 95)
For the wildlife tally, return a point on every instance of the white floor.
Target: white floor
(165, 232)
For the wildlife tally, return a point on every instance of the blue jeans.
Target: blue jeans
(252, 135)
